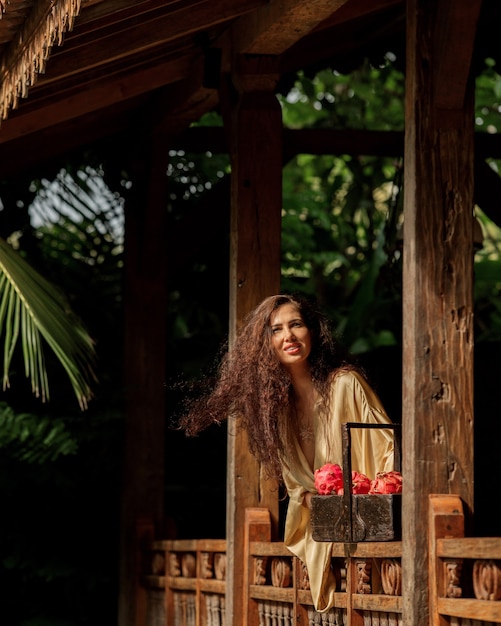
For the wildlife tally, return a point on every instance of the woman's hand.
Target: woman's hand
(307, 499)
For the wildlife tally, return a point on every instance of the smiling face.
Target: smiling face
(290, 337)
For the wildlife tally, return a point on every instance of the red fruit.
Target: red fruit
(387, 482)
(328, 479)
(360, 482)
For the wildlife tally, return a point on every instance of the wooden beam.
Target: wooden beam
(346, 43)
(21, 154)
(437, 411)
(105, 13)
(361, 9)
(328, 141)
(275, 27)
(106, 46)
(304, 141)
(128, 35)
(80, 101)
(455, 32)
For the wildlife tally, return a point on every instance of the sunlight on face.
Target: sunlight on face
(291, 338)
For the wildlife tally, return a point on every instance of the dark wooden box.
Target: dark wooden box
(352, 518)
(371, 518)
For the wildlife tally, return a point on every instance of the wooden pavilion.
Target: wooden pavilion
(140, 72)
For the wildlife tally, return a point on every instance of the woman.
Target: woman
(286, 380)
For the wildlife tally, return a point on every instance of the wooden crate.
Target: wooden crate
(364, 518)
(352, 518)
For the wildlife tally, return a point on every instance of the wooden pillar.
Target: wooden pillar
(256, 207)
(144, 367)
(438, 277)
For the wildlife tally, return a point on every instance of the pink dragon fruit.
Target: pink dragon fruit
(387, 482)
(360, 482)
(329, 479)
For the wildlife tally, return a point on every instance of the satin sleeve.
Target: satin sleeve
(372, 450)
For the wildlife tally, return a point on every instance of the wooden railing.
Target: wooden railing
(465, 572)
(184, 580)
(189, 576)
(368, 582)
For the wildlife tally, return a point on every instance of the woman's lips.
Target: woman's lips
(293, 348)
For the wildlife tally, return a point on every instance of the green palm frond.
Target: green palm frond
(32, 309)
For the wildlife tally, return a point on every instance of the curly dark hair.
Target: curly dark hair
(252, 385)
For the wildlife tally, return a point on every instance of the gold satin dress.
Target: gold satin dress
(352, 400)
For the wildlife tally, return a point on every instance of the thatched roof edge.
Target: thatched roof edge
(27, 55)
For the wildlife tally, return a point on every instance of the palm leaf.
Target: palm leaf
(32, 309)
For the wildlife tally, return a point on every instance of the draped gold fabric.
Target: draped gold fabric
(352, 400)
(43, 25)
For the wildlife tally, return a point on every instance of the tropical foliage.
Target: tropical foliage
(32, 309)
(60, 466)
(341, 212)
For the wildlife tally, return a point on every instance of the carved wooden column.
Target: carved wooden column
(438, 277)
(256, 206)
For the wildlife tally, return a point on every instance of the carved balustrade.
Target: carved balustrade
(185, 581)
(465, 572)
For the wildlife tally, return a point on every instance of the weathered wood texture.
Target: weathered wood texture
(256, 205)
(274, 27)
(437, 288)
(145, 336)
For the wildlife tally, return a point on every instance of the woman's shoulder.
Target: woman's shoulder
(353, 386)
(348, 377)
